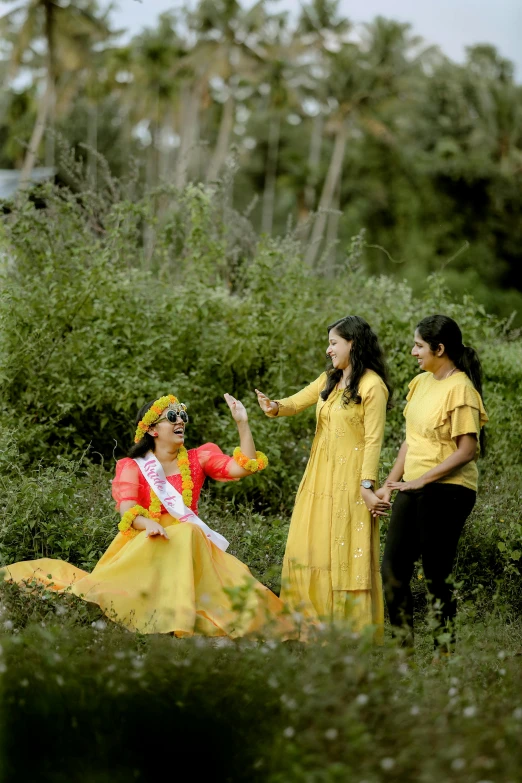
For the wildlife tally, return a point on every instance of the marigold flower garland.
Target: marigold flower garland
(153, 414)
(249, 463)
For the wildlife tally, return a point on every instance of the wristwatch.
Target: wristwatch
(367, 484)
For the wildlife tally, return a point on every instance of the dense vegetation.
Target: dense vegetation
(333, 127)
(128, 279)
(90, 326)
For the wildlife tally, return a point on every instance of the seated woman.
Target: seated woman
(166, 571)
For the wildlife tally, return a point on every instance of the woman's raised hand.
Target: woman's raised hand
(237, 409)
(264, 402)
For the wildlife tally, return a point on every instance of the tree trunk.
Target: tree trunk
(45, 105)
(50, 141)
(189, 130)
(331, 233)
(223, 140)
(270, 178)
(332, 178)
(314, 158)
(37, 135)
(92, 142)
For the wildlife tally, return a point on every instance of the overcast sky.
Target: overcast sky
(452, 24)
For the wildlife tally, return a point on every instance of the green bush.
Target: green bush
(332, 711)
(103, 307)
(89, 329)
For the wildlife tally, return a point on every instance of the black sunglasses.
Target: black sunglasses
(173, 416)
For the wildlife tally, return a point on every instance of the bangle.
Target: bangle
(125, 524)
(248, 463)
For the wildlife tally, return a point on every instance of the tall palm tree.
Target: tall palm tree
(362, 79)
(153, 92)
(321, 28)
(227, 50)
(282, 76)
(68, 30)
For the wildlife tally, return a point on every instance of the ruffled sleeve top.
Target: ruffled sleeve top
(436, 413)
(129, 482)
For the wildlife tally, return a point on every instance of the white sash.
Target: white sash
(153, 471)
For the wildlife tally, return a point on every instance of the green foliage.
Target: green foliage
(334, 710)
(88, 333)
(63, 510)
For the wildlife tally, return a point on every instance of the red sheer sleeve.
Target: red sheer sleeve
(126, 483)
(214, 463)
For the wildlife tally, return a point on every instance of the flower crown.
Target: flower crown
(153, 414)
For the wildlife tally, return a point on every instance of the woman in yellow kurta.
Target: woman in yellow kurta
(168, 572)
(331, 563)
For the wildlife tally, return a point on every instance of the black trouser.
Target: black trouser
(424, 523)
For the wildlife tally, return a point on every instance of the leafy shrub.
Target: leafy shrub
(332, 711)
(90, 328)
(93, 321)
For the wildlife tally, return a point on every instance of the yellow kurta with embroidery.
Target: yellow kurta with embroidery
(331, 563)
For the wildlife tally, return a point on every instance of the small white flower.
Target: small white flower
(452, 692)
(501, 655)
(3, 668)
(454, 680)
(331, 734)
(502, 672)
(387, 763)
(223, 641)
(517, 713)
(8, 625)
(289, 732)
(99, 625)
(457, 764)
(362, 699)
(273, 682)
(414, 710)
(289, 703)
(403, 668)
(348, 660)
(59, 680)
(469, 712)
(24, 683)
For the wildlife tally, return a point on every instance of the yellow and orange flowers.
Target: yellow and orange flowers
(153, 415)
(125, 525)
(187, 485)
(248, 463)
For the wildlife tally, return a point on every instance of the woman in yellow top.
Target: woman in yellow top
(166, 571)
(331, 563)
(437, 464)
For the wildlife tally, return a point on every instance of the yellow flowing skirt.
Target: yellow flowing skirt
(184, 585)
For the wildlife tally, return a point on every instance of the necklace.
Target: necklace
(187, 485)
(450, 373)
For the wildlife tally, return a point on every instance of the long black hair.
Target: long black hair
(147, 443)
(365, 354)
(442, 330)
